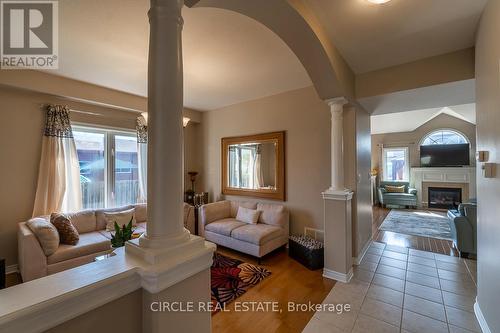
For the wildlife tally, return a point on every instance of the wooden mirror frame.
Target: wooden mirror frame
(279, 193)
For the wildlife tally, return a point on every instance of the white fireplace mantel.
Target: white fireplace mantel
(457, 175)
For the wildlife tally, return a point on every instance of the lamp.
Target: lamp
(185, 120)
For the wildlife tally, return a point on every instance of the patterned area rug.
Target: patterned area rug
(418, 223)
(231, 278)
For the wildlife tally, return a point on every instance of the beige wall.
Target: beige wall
(412, 139)
(21, 136)
(306, 120)
(449, 67)
(488, 139)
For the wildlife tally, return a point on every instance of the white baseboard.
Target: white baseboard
(480, 318)
(11, 269)
(357, 260)
(341, 277)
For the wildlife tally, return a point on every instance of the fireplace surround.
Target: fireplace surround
(463, 178)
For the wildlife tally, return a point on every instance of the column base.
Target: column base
(337, 194)
(170, 265)
(341, 277)
(161, 242)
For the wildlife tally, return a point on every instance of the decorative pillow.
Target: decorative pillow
(248, 215)
(67, 231)
(121, 218)
(395, 189)
(46, 233)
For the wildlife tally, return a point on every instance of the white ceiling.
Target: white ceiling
(411, 120)
(228, 57)
(372, 36)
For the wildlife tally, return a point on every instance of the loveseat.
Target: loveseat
(407, 197)
(220, 226)
(94, 241)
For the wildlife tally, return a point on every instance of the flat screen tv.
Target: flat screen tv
(444, 155)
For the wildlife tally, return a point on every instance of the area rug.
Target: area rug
(418, 223)
(231, 278)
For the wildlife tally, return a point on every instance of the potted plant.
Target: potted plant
(121, 235)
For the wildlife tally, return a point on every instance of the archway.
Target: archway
(292, 22)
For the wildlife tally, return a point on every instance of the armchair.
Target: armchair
(407, 198)
(463, 224)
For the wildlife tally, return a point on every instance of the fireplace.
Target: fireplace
(444, 197)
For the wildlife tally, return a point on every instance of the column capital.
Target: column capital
(337, 101)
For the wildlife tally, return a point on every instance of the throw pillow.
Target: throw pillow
(395, 189)
(247, 215)
(121, 218)
(46, 233)
(67, 231)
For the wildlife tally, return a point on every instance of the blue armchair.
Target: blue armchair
(408, 198)
(463, 224)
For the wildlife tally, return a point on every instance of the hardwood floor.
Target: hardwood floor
(415, 242)
(289, 282)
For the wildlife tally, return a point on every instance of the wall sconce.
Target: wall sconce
(185, 120)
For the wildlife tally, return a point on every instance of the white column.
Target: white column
(165, 134)
(337, 204)
(337, 144)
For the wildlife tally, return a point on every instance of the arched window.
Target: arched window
(443, 137)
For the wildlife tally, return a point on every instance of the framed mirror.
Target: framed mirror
(254, 165)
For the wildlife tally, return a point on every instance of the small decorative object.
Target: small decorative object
(189, 194)
(374, 172)
(192, 178)
(121, 235)
(306, 250)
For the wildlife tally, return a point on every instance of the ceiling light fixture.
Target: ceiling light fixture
(379, 2)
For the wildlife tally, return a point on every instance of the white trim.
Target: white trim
(12, 269)
(357, 260)
(341, 277)
(49, 301)
(480, 318)
(343, 195)
(59, 309)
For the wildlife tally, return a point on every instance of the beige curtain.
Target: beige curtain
(58, 188)
(142, 158)
(257, 173)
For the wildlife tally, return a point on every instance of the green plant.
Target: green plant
(122, 234)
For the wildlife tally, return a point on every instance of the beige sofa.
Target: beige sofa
(219, 225)
(94, 241)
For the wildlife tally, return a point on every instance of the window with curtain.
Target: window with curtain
(108, 166)
(396, 164)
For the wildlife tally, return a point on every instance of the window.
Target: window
(443, 137)
(396, 166)
(242, 161)
(108, 167)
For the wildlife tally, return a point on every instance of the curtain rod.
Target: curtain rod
(43, 106)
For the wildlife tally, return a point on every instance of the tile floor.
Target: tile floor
(396, 289)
